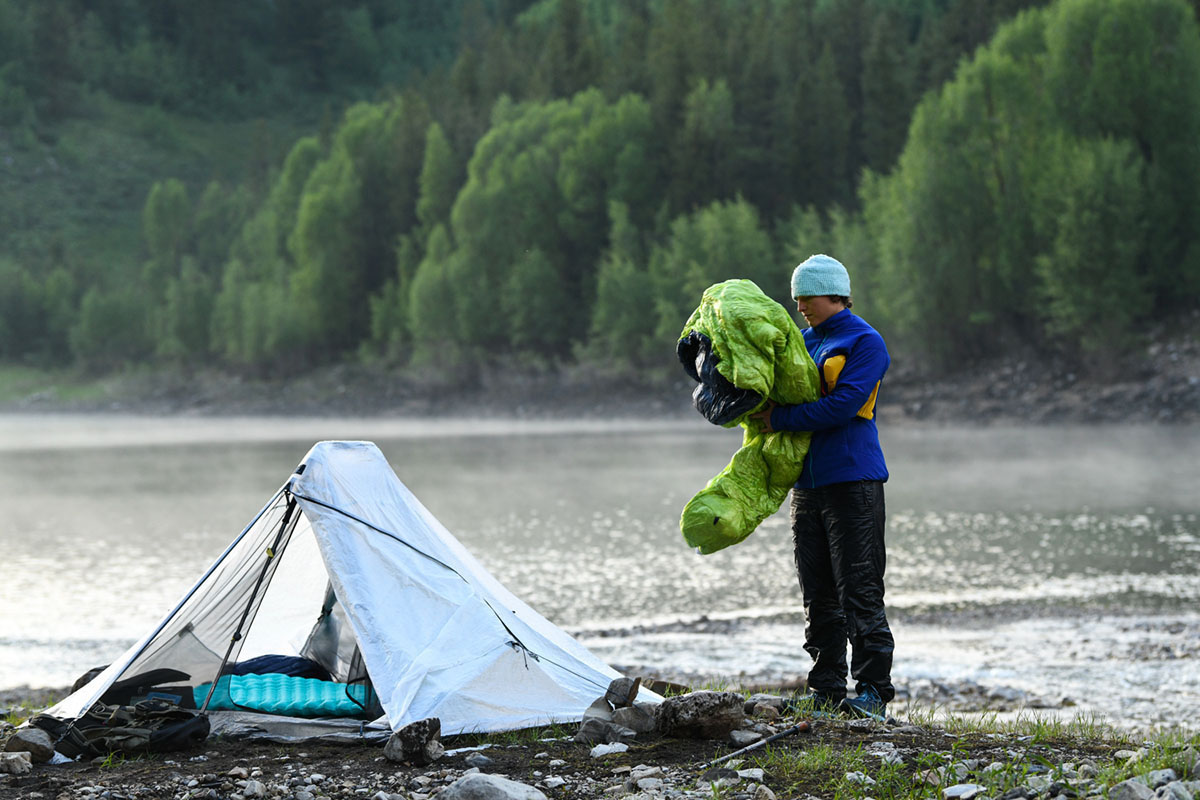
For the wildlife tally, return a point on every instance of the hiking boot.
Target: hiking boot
(868, 704)
(812, 702)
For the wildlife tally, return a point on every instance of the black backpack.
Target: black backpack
(149, 726)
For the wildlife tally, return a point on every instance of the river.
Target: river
(1052, 566)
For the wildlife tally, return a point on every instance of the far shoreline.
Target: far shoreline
(1016, 391)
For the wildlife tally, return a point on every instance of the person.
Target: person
(837, 506)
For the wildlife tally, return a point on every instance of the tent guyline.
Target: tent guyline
(516, 643)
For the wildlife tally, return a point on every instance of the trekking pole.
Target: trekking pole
(799, 727)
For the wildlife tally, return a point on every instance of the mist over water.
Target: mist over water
(1051, 560)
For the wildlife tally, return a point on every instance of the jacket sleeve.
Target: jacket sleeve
(866, 363)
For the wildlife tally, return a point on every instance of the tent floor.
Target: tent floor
(247, 725)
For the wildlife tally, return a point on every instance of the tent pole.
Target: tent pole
(272, 552)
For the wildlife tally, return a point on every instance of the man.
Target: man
(837, 504)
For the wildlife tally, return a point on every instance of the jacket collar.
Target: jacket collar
(834, 323)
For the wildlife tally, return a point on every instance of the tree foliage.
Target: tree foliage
(537, 182)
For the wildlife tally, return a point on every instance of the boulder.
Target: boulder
(34, 741)
(701, 715)
(481, 786)
(417, 743)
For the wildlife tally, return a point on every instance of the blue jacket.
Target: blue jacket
(852, 359)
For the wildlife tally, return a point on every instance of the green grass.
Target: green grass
(1042, 727)
(20, 383)
(1011, 752)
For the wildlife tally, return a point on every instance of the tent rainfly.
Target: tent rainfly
(345, 569)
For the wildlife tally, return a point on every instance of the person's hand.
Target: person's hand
(763, 415)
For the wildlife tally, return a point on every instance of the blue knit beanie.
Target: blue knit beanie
(820, 275)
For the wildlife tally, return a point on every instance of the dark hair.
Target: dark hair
(844, 299)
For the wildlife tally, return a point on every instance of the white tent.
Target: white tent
(345, 567)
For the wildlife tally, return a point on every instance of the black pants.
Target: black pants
(840, 556)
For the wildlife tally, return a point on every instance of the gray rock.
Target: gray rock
(1175, 790)
(860, 778)
(594, 731)
(962, 791)
(600, 710)
(622, 691)
(717, 775)
(553, 782)
(479, 761)
(740, 739)
(480, 786)
(1160, 777)
(761, 792)
(602, 750)
(701, 715)
(757, 699)
(254, 789)
(15, 763)
(636, 718)
(1132, 789)
(765, 712)
(34, 741)
(416, 743)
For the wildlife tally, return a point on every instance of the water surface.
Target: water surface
(1050, 560)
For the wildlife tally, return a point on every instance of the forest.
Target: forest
(445, 185)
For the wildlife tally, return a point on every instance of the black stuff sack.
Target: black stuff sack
(150, 726)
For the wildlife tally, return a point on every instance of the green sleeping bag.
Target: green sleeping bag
(760, 349)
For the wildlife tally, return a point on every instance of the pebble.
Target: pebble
(860, 778)
(962, 791)
(601, 750)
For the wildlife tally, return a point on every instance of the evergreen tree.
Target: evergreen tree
(886, 90)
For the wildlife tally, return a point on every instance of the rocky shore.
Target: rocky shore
(815, 757)
(1159, 383)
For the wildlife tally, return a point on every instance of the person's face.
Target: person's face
(817, 309)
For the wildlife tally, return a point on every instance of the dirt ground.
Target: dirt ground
(360, 770)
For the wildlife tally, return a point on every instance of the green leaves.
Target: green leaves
(1060, 145)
